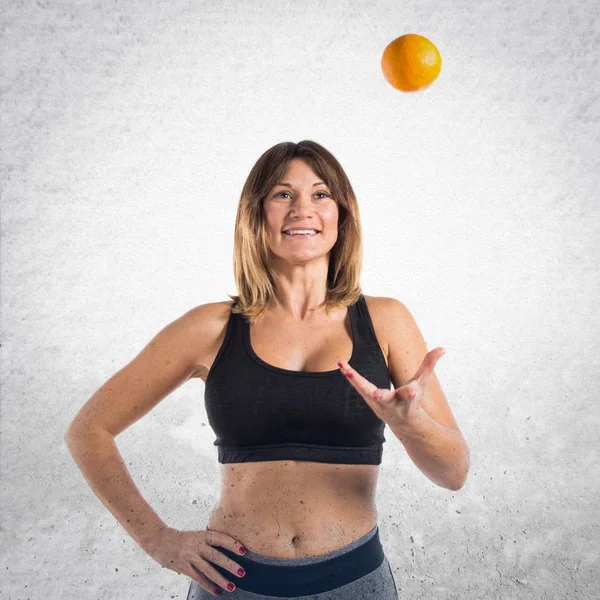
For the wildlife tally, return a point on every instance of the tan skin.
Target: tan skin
(286, 508)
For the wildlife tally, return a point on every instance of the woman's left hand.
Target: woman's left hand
(395, 407)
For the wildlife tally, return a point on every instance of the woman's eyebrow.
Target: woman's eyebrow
(288, 185)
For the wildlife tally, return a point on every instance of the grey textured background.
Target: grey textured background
(128, 129)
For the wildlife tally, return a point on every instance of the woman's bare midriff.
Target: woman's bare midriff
(287, 508)
(293, 509)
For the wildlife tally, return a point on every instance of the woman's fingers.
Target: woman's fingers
(204, 582)
(364, 386)
(209, 578)
(220, 538)
(209, 555)
(192, 552)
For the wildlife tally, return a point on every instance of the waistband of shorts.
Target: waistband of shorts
(292, 562)
(293, 577)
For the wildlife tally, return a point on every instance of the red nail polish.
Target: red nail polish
(241, 572)
(242, 550)
(230, 586)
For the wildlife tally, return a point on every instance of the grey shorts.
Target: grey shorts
(358, 571)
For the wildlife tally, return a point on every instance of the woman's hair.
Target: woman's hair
(250, 250)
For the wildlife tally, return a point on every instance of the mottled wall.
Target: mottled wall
(128, 129)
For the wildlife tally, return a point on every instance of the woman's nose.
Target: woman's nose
(302, 201)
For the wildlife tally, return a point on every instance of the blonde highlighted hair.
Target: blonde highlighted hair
(255, 285)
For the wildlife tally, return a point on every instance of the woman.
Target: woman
(300, 440)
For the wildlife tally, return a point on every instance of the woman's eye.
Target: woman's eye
(324, 193)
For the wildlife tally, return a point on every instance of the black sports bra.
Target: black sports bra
(261, 412)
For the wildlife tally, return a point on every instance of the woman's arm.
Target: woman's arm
(96, 454)
(440, 452)
(433, 439)
(169, 359)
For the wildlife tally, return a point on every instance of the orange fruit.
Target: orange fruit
(411, 62)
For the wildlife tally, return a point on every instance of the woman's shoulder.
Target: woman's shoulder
(207, 323)
(210, 315)
(378, 306)
(388, 314)
(382, 304)
(379, 312)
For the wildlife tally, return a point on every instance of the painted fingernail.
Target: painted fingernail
(241, 572)
(230, 587)
(242, 550)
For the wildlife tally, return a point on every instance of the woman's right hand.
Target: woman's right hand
(192, 552)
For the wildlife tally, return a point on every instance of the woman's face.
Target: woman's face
(305, 203)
